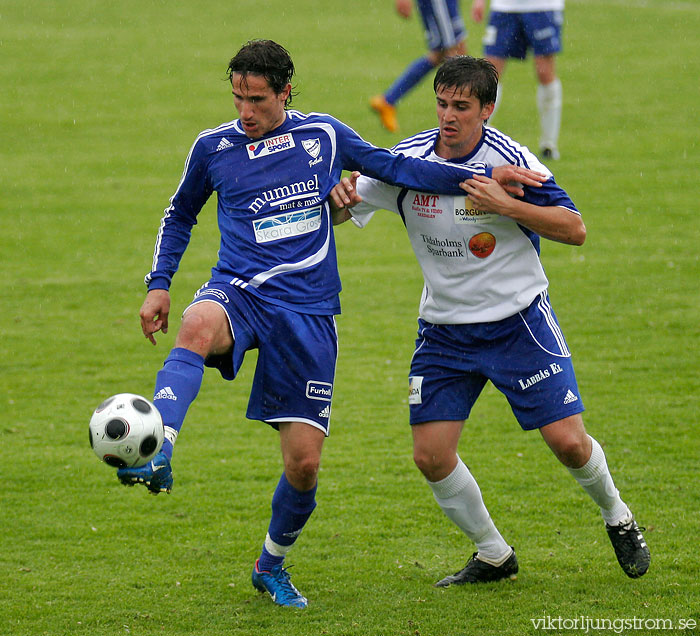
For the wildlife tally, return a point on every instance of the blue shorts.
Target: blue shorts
(525, 356)
(443, 23)
(511, 34)
(297, 356)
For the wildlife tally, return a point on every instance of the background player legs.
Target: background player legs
(549, 104)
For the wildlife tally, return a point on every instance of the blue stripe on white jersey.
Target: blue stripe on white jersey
(425, 139)
(510, 151)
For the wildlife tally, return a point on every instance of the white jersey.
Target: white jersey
(526, 6)
(477, 266)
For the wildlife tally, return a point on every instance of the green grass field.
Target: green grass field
(99, 105)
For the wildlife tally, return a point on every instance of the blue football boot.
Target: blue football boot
(156, 475)
(277, 584)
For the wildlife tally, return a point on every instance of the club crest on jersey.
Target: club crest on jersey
(319, 390)
(313, 148)
(265, 147)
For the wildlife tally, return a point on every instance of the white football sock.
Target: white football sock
(595, 478)
(549, 101)
(460, 499)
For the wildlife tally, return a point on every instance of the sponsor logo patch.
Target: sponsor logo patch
(467, 213)
(426, 205)
(287, 225)
(319, 390)
(482, 244)
(265, 147)
(415, 386)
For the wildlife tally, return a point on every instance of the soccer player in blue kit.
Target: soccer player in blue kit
(444, 34)
(485, 315)
(275, 286)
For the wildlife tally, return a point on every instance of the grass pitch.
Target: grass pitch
(99, 106)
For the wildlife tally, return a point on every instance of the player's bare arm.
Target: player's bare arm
(551, 222)
(343, 196)
(154, 313)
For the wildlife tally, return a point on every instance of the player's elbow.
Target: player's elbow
(579, 234)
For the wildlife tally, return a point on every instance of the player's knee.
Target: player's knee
(302, 472)
(201, 332)
(573, 451)
(428, 463)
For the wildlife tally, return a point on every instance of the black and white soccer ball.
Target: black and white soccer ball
(126, 431)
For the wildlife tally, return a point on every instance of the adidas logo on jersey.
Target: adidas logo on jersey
(570, 397)
(166, 393)
(223, 144)
(325, 412)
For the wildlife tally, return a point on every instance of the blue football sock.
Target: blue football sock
(413, 74)
(177, 385)
(291, 509)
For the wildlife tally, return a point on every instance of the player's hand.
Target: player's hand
(404, 8)
(511, 176)
(486, 194)
(344, 195)
(154, 313)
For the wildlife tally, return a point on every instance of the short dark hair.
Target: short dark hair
(462, 71)
(267, 59)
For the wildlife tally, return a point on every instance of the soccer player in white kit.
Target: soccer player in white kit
(485, 315)
(516, 26)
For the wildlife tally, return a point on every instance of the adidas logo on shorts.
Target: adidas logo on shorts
(325, 412)
(570, 397)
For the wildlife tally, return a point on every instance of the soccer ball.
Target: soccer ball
(126, 431)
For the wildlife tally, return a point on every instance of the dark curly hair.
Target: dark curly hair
(267, 59)
(462, 71)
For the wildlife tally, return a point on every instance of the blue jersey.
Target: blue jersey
(275, 223)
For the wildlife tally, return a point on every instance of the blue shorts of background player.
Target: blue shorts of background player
(297, 356)
(512, 34)
(443, 23)
(524, 356)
